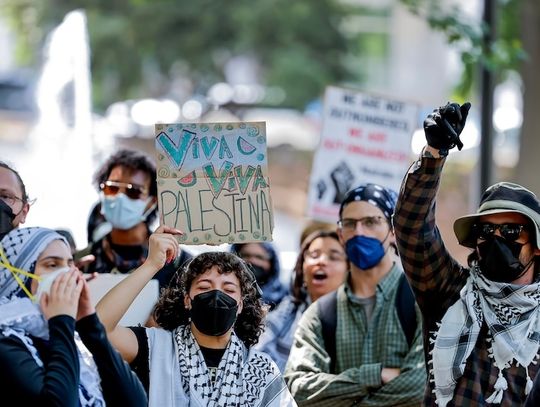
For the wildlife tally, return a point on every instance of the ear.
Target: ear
(187, 302)
(339, 232)
(240, 307)
(392, 236)
(24, 212)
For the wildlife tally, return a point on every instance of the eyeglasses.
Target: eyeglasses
(367, 222)
(317, 255)
(509, 231)
(10, 199)
(132, 191)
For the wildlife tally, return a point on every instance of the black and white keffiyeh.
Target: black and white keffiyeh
(237, 383)
(21, 318)
(511, 313)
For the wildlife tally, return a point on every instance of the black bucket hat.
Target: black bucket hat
(502, 197)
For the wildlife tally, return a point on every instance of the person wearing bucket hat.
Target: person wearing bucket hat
(481, 322)
(352, 346)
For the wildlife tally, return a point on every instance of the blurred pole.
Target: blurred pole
(487, 88)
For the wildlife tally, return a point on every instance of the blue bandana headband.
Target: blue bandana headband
(377, 195)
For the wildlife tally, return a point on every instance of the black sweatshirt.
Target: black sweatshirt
(57, 382)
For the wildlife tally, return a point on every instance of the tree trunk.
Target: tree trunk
(528, 168)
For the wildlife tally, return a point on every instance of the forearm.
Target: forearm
(112, 307)
(406, 389)
(120, 385)
(53, 384)
(351, 384)
(423, 254)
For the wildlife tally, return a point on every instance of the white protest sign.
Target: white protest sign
(365, 138)
(213, 181)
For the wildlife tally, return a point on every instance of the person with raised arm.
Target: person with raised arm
(209, 317)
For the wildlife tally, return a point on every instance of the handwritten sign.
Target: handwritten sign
(213, 182)
(364, 138)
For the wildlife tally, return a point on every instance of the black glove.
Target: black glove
(444, 125)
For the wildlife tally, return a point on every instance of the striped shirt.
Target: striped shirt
(437, 279)
(362, 350)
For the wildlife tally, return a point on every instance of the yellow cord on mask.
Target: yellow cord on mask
(15, 271)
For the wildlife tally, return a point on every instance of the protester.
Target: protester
(481, 322)
(361, 344)
(14, 201)
(264, 262)
(42, 358)
(314, 226)
(202, 353)
(128, 202)
(320, 268)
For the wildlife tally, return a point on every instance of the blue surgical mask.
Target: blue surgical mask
(122, 212)
(364, 252)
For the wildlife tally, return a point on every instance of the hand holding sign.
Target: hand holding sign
(162, 247)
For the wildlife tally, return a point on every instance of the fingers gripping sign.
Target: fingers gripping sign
(444, 126)
(163, 247)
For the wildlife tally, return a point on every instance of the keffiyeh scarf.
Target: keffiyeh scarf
(237, 383)
(511, 313)
(21, 318)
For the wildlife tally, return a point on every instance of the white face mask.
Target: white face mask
(122, 212)
(44, 285)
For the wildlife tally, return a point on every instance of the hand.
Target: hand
(162, 247)
(444, 125)
(63, 297)
(85, 307)
(389, 373)
(85, 261)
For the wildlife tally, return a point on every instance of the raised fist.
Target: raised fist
(444, 125)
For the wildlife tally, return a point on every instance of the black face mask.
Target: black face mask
(213, 312)
(6, 219)
(499, 260)
(261, 275)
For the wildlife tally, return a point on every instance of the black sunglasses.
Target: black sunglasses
(509, 231)
(132, 191)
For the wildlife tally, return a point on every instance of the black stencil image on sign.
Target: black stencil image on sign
(342, 178)
(321, 188)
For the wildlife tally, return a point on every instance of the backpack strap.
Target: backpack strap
(405, 309)
(327, 311)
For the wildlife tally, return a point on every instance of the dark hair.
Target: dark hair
(170, 311)
(270, 250)
(297, 285)
(135, 161)
(19, 179)
(314, 226)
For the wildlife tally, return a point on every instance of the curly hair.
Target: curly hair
(135, 161)
(298, 292)
(170, 311)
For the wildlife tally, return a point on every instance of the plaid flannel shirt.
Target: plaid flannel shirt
(437, 279)
(362, 349)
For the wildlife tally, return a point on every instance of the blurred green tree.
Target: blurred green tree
(142, 46)
(516, 48)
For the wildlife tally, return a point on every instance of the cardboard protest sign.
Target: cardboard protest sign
(213, 181)
(364, 138)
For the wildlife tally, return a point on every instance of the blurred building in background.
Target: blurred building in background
(50, 133)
